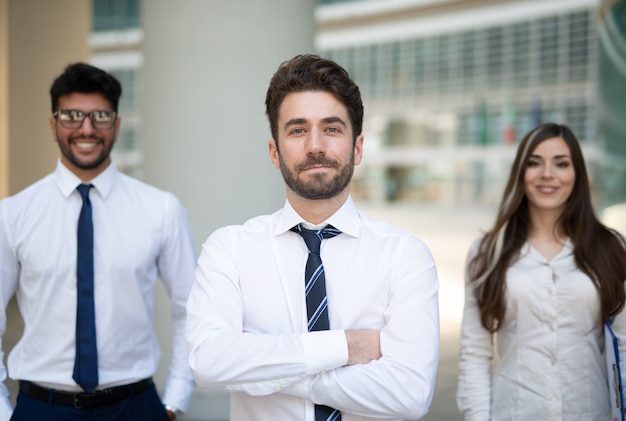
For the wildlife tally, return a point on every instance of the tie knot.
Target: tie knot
(84, 190)
(313, 238)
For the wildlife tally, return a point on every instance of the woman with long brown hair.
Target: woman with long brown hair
(539, 286)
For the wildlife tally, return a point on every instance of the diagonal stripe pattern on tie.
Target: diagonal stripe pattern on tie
(86, 363)
(316, 300)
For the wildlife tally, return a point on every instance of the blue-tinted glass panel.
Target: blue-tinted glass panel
(112, 15)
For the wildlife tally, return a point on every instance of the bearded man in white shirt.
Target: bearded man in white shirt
(87, 243)
(248, 329)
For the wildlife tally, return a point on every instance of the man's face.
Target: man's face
(85, 150)
(315, 150)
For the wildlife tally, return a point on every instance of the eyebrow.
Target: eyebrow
(555, 156)
(326, 120)
(295, 121)
(334, 120)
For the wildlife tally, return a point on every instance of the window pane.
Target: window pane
(548, 50)
(111, 15)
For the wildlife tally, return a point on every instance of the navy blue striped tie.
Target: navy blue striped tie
(86, 363)
(316, 302)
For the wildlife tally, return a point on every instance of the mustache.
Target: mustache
(317, 160)
(74, 138)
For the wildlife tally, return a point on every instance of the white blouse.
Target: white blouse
(546, 362)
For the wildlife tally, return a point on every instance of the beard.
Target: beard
(320, 187)
(66, 151)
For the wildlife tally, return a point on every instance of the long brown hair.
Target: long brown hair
(598, 251)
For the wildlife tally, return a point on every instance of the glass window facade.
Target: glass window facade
(112, 15)
(335, 1)
(451, 106)
(121, 55)
(129, 107)
(610, 173)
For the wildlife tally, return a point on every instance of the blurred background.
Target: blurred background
(449, 86)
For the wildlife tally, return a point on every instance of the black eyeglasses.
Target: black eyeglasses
(73, 119)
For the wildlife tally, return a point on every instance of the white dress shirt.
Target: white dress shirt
(141, 233)
(247, 323)
(546, 362)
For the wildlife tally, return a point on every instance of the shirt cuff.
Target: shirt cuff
(324, 350)
(178, 393)
(6, 409)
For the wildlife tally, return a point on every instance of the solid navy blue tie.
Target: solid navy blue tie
(86, 363)
(316, 301)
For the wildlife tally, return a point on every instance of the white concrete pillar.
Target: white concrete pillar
(207, 65)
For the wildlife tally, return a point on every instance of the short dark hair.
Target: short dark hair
(87, 79)
(308, 72)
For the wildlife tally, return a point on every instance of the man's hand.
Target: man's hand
(363, 346)
(171, 412)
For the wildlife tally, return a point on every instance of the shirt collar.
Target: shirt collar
(346, 219)
(564, 253)
(67, 181)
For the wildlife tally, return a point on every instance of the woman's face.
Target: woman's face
(549, 177)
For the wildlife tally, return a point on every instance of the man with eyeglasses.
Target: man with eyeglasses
(82, 249)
